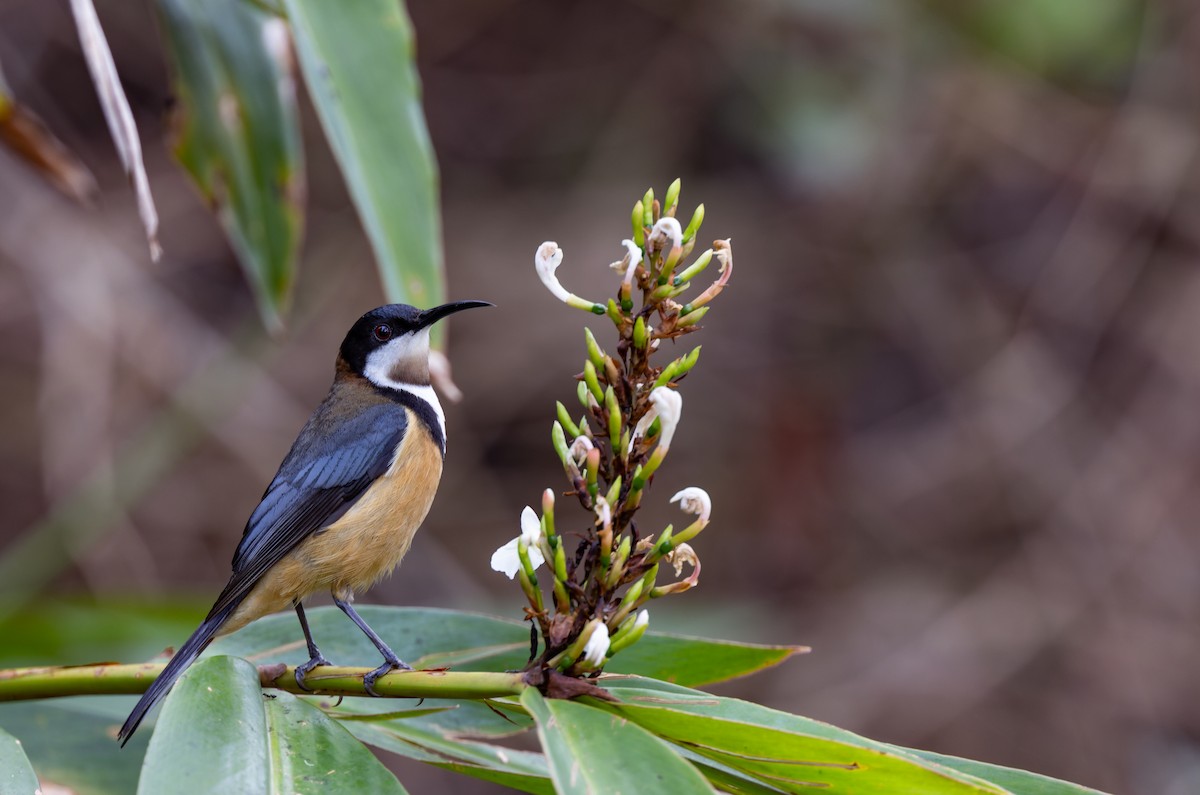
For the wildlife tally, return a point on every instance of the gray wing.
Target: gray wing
(328, 468)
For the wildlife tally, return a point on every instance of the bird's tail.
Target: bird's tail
(186, 655)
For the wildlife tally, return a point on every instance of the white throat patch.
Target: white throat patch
(392, 357)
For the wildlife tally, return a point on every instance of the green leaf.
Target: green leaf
(429, 637)
(788, 752)
(16, 772)
(54, 631)
(72, 743)
(424, 637)
(695, 662)
(238, 135)
(419, 740)
(1018, 781)
(218, 732)
(591, 751)
(357, 60)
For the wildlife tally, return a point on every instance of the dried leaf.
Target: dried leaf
(117, 113)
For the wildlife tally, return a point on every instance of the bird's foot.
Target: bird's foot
(389, 665)
(302, 671)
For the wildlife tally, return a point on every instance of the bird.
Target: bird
(348, 497)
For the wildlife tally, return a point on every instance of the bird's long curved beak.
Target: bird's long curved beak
(431, 316)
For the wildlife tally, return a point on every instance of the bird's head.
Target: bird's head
(389, 346)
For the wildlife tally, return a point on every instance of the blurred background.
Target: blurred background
(948, 410)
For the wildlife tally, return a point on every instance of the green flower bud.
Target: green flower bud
(630, 632)
(614, 491)
(560, 561)
(593, 349)
(692, 318)
(548, 514)
(565, 419)
(649, 578)
(694, 225)
(695, 269)
(628, 602)
(593, 468)
(648, 209)
(639, 333)
(614, 418)
(530, 587)
(664, 545)
(678, 367)
(614, 313)
(618, 563)
(671, 201)
(639, 481)
(559, 439)
(639, 227)
(593, 383)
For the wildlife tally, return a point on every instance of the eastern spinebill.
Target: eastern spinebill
(347, 499)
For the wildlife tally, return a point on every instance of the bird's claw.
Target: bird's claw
(302, 671)
(388, 666)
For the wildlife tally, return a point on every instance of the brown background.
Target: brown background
(947, 411)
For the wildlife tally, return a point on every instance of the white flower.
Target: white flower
(642, 426)
(666, 228)
(694, 500)
(684, 554)
(580, 448)
(531, 527)
(670, 406)
(635, 258)
(643, 618)
(507, 559)
(596, 648)
(547, 259)
(603, 512)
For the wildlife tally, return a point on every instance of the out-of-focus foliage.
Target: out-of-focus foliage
(238, 135)
(1087, 43)
(358, 65)
(16, 774)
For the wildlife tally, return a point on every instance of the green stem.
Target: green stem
(22, 684)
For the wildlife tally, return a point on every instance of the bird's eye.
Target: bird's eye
(382, 332)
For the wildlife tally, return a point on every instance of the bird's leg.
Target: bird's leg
(315, 657)
(390, 661)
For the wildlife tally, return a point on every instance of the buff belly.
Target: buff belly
(361, 547)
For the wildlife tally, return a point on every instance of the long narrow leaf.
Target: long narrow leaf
(116, 111)
(788, 752)
(1018, 781)
(592, 752)
(357, 61)
(238, 135)
(415, 739)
